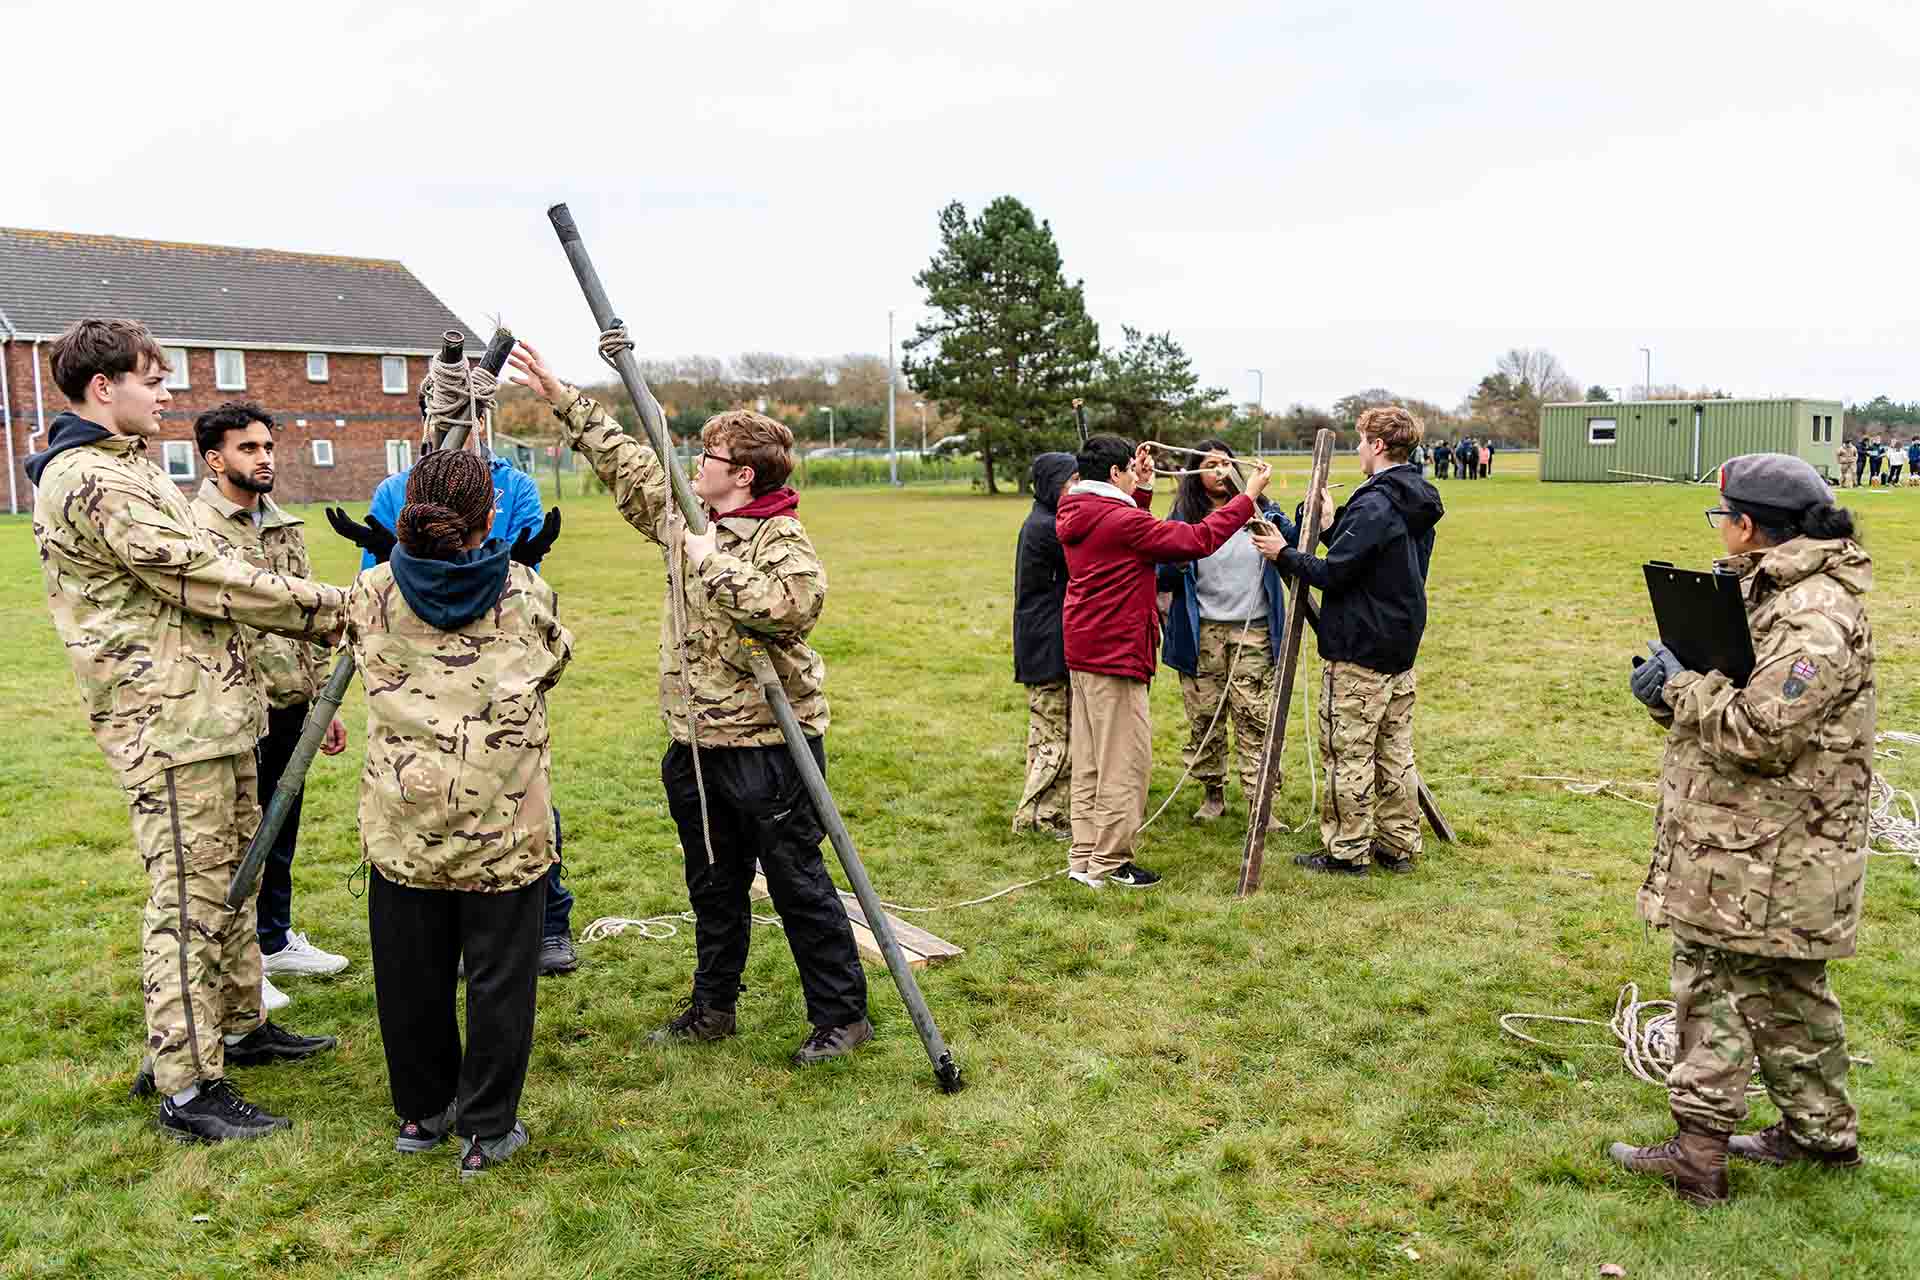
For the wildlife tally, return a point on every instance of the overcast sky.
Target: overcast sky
(1345, 196)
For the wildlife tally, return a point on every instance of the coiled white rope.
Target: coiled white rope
(653, 928)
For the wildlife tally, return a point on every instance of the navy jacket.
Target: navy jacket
(1180, 639)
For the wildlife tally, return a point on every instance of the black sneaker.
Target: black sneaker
(477, 1155)
(416, 1136)
(832, 1042)
(696, 1021)
(1133, 876)
(270, 1042)
(1397, 864)
(218, 1114)
(558, 956)
(1329, 864)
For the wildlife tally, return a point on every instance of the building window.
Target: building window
(1829, 428)
(393, 375)
(399, 456)
(177, 368)
(230, 370)
(178, 455)
(1603, 431)
(323, 453)
(316, 366)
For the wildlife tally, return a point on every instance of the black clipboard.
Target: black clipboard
(1703, 618)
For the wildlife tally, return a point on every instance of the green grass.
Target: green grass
(1164, 1084)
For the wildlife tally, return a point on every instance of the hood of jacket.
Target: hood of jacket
(1417, 501)
(449, 594)
(1087, 508)
(68, 431)
(779, 502)
(1842, 559)
(1050, 472)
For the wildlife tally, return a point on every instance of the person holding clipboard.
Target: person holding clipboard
(1760, 835)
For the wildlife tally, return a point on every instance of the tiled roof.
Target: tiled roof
(194, 293)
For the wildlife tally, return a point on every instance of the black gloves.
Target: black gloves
(372, 536)
(1650, 676)
(531, 548)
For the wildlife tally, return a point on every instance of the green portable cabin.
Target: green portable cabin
(1596, 441)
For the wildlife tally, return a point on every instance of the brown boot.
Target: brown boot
(1776, 1144)
(1693, 1161)
(1215, 805)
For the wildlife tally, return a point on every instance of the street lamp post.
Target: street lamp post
(1260, 406)
(829, 412)
(921, 405)
(893, 455)
(1648, 353)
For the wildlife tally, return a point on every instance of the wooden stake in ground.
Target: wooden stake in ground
(1289, 658)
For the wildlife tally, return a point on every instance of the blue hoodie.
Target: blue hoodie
(519, 504)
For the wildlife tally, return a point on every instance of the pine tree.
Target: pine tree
(1011, 341)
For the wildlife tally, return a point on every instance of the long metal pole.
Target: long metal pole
(326, 705)
(1648, 352)
(1260, 406)
(893, 455)
(945, 1070)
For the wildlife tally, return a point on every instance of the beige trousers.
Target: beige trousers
(1112, 748)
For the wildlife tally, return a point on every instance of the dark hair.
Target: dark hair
(449, 498)
(109, 347)
(210, 428)
(753, 440)
(1192, 502)
(1823, 521)
(1100, 455)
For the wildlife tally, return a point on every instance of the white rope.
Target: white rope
(974, 902)
(653, 928)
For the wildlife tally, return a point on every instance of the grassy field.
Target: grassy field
(1172, 1083)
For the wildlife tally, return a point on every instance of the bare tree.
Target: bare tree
(1541, 372)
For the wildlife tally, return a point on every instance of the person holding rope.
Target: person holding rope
(458, 646)
(1759, 857)
(1223, 618)
(1372, 616)
(150, 613)
(517, 515)
(731, 786)
(1113, 545)
(1039, 652)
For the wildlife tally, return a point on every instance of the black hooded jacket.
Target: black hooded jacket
(1040, 579)
(1374, 576)
(67, 431)
(448, 594)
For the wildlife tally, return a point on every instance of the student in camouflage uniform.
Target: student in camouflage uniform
(457, 641)
(738, 798)
(233, 508)
(1844, 462)
(1759, 859)
(151, 615)
(1040, 655)
(1372, 616)
(1222, 618)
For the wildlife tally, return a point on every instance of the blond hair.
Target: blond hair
(1393, 427)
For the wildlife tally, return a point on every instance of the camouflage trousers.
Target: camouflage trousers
(1734, 1011)
(1214, 699)
(200, 969)
(1043, 802)
(1366, 743)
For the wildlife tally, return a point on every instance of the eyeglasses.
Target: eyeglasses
(718, 457)
(1717, 516)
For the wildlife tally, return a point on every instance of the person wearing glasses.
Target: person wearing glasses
(732, 788)
(1759, 856)
(516, 512)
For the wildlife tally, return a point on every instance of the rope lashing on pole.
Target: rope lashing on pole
(465, 396)
(616, 347)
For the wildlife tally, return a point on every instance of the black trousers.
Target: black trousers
(758, 812)
(419, 936)
(276, 878)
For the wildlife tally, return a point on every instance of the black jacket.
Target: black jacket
(1040, 579)
(68, 431)
(1375, 572)
(449, 594)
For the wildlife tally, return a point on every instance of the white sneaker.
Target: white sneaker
(1085, 878)
(271, 996)
(300, 957)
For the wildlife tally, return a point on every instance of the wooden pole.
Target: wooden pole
(1254, 856)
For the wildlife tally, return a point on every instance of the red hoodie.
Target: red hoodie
(1112, 626)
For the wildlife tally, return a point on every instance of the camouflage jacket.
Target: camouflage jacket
(150, 611)
(1761, 829)
(456, 791)
(290, 671)
(763, 578)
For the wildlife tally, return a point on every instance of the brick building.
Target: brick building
(333, 347)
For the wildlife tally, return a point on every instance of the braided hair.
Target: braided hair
(449, 499)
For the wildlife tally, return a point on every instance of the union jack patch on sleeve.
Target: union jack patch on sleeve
(1805, 669)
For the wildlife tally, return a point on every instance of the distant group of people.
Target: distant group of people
(1878, 460)
(1466, 458)
(1099, 581)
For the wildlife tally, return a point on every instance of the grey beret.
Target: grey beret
(1776, 481)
